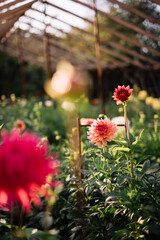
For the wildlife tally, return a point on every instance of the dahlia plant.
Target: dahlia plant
(121, 96)
(25, 166)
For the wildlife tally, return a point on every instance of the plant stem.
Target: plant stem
(11, 222)
(155, 125)
(132, 170)
(136, 228)
(128, 139)
(126, 124)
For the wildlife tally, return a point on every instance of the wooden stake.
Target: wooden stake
(98, 55)
(21, 63)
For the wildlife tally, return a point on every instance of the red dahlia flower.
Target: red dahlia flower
(24, 166)
(122, 94)
(102, 131)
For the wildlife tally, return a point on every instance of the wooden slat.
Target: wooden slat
(113, 32)
(69, 49)
(65, 53)
(16, 11)
(5, 27)
(3, 1)
(156, 1)
(104, 49)
(118, 46)
(89, 44)
(17, 14)
(135, 11)
(123, 23)
(10, 4)
(113, 44)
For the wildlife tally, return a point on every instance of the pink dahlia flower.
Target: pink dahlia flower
(102, 131)
(24, 166)
(122, 94)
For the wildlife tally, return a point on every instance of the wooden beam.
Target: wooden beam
(113, 32)
(156, 1)
(111, 52)
(60, 53)
(10, 4)
(3, 1)
(13, 52)
(6, 69)
(122, 22)
(5, 27)
(98, 55)
(113, 44)
(46, 46)
(89, 44)
(129, 51)
(68, 48)
(21, 63)
(135, 11)
(20, 13)
(16, 11)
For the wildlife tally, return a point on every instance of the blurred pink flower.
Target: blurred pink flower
(24, 167)
(102, 131)
(86, 121)
(122, 94)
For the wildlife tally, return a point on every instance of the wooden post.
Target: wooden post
(98, 55)
(8, 87)
(46, 47)
(47, 55)
(21, 63)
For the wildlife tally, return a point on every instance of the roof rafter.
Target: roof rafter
(135, 11)
(92, 44)
(16, 11)
(120, 21)
(156, 1)
(109, 43)
(10, 4)
(113, 32)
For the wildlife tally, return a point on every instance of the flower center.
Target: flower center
(101, 129)
(121, 93)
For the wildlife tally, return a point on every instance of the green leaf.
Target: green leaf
(122, 149)
(149, 168)
(123, 142)
(107, 155)
(138, 138)
(146, 165)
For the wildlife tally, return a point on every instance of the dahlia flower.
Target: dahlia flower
(102, 131)
(122, 94)
(24, 167)
(20, 125)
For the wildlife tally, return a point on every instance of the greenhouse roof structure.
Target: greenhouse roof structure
(45, 31)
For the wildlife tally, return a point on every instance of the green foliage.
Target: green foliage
(107, 203)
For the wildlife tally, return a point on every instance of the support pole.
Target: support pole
(47, 55)
(21, 63)
(98, 55)
(8, 87)
(46, 47)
